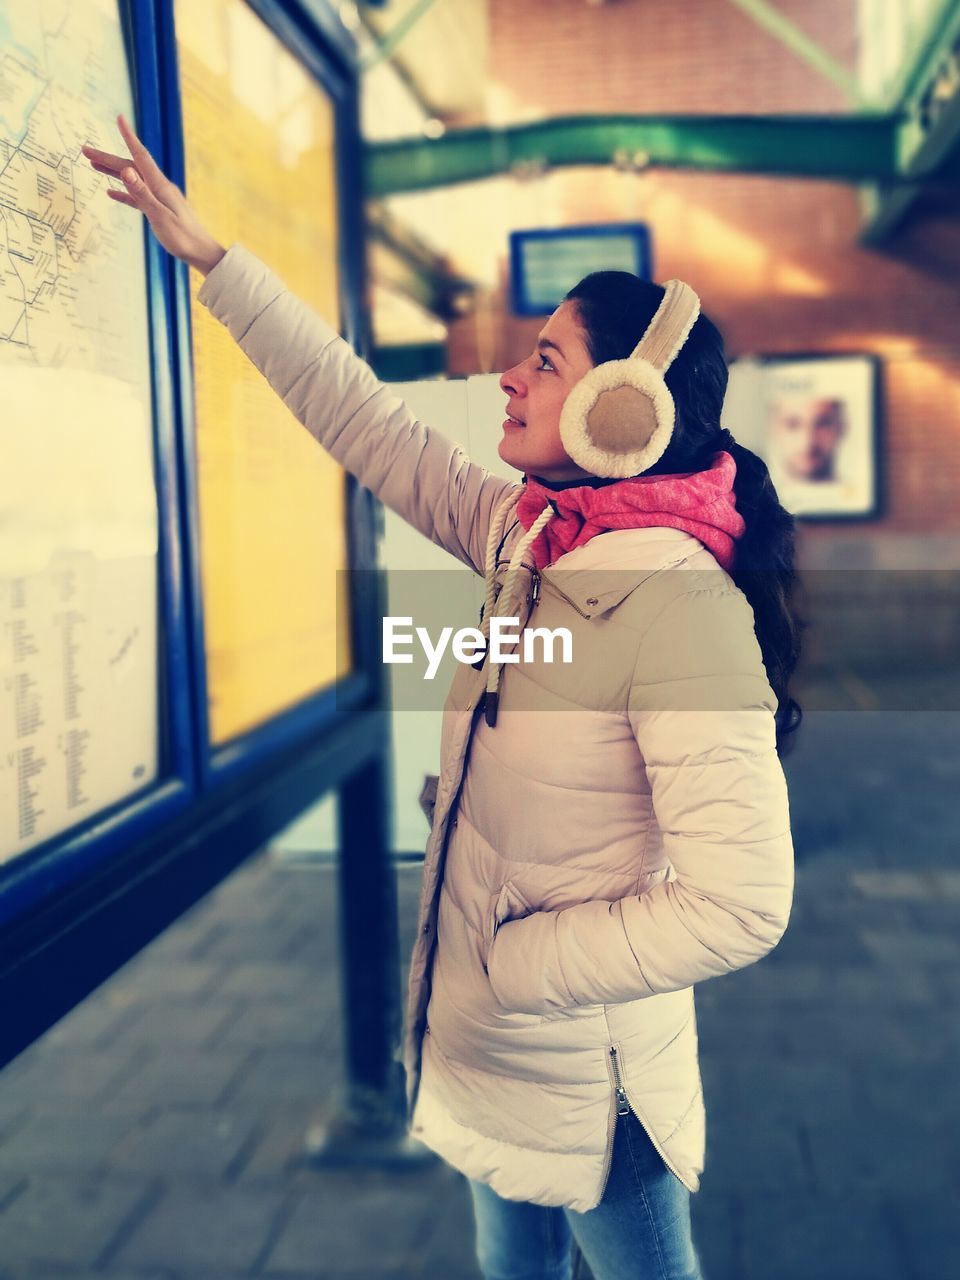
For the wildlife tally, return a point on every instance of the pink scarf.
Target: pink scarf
(701, 503)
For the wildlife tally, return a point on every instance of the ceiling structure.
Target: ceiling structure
(898, 139)
(438, 49)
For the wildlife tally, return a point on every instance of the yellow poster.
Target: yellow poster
(259, 143)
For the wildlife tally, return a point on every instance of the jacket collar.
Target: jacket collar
(591, 592)
(596, 577)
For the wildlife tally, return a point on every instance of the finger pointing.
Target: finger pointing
(122, 197)
(153, 175)
(106, 158)
(141, 195)
(102, 168)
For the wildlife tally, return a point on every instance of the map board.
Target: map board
(259, 148)
(78, 503)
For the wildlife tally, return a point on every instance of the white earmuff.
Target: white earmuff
(618, 419)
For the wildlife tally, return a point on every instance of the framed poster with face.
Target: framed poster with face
(814, 419)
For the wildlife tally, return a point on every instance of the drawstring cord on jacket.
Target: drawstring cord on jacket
(500, 607)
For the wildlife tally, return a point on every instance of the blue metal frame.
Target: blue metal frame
(523, 305)
(77, 938)
(301, 27)
(79, 906)
(63, 858)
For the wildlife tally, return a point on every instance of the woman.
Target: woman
(622, 830)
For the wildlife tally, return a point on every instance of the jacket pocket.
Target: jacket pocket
(508, 903)
(428, 795)
(649, 879)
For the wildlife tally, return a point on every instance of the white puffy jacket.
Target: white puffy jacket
(620, 834)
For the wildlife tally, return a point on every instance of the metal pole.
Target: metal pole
(370, 1126)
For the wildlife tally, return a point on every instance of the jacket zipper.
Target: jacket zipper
(535, 579)
(569, 600)
(624, 1107)
(611, 1132)
(535, 572)
(577, 607)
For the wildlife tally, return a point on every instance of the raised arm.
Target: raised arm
(418, 473)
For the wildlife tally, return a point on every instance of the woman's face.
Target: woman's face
(536, 390)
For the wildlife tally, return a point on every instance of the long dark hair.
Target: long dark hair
(614, 309)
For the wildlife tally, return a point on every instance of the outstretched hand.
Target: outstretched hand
(163, 204)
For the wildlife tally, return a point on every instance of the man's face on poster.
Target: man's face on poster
(806, 433)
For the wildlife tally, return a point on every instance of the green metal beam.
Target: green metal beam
(927, 43)
(389, 42)
(774, 22)
(854, 149)
(884, 210)
(936, 160)
(921, 149)
(924, 156)
(927, 145)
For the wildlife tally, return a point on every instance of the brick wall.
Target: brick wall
(775, 260)
(664, 55)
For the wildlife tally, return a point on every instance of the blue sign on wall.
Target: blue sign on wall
(545, 264)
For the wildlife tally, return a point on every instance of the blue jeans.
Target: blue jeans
(640, 1230)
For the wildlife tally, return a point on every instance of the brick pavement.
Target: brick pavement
(156, 1132)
